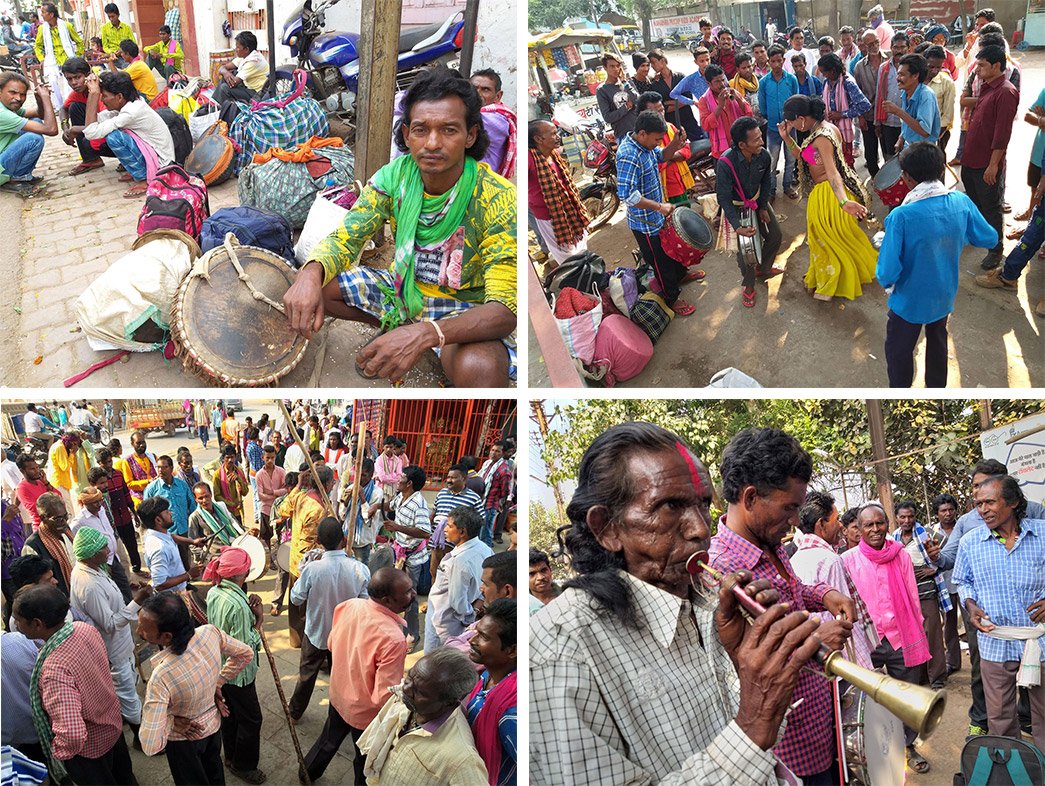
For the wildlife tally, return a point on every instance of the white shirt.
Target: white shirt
(80, 417)
(95, 594)
(139, 117)
(812, 58)
(293, 458)
(34, 424)
(98, 521)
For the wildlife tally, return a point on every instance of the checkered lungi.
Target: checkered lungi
(359, 288)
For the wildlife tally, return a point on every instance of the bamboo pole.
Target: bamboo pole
(308, 458)
(354, 507)
(286, 709)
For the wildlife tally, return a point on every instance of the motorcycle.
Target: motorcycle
(331, 59)
(599, 197)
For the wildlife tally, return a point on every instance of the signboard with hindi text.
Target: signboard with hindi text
(1020, 446)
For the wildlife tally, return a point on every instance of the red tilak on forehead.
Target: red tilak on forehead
(693, 473)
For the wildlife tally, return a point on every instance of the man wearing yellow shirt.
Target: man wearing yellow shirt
(56, 41)
(140, 73)
(166, 56)
(114, 32)
(243, 76)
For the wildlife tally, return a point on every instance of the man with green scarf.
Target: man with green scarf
(212, 519)
(452, 284)
(75, 709)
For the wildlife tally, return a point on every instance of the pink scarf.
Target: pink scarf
(841, 104)
(152, 161)
(501, 697)
(913, 643)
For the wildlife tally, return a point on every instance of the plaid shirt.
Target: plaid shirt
(500, 486)
(79, 697)
(943, 597)
(182, 687)
(118, 500)
(173, 20)
(638, 175)
(808, 744)
(1003, 583)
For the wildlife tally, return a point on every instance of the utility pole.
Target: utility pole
(986, 416)
(378, 60)
(542, 424)
(881, 465)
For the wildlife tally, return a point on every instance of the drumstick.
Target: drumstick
(311, 464)
(354, 507)
(286, 709)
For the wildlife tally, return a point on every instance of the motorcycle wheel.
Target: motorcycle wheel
(600, 206)
(285, 82)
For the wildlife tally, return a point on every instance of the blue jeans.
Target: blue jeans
(1031, 241)
(204, 435)
(127, 153)
(775, 143)
(486, 533)
(362, 553)
(20, 158)
(411, 612)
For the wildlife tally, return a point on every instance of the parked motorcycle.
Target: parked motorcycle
(331, 59)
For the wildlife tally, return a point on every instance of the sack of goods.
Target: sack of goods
(128, 306)
(578, 316)
(622, 350)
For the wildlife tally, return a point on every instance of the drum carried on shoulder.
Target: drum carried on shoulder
(686, 236)
(750, 247)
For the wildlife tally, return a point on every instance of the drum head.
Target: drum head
(883, 745)
(258, 558)
(223, 332)
(889, 174)
(692, 228)
(283, 557)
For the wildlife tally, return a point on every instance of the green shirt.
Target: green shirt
(227, 610)
(112, 36)
(11, 125)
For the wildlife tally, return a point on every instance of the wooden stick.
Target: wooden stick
(286, 709)
(354, 507)
(308, 458)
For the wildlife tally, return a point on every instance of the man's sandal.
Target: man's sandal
(748, 298)
(86, 166)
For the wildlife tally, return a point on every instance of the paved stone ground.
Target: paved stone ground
(791, 340)
(67, 236)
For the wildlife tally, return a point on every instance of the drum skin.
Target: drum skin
(888, 183)
(686, 237)
(283, 557)
(258, 556)
(226, 336)
(874, 741)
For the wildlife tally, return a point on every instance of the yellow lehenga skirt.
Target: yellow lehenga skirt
(841, 258)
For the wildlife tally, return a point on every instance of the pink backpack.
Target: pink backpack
(622, 348)
(175, 200)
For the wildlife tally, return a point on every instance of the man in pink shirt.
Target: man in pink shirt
(881, 28)
(368, 653)
(884, 577)
(271, 485)
(719, 107)
(34, 485)
(388, 467)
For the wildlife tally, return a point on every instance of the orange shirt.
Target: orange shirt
(368, 649)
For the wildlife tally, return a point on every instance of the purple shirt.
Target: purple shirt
(497, 129)
(12, 537)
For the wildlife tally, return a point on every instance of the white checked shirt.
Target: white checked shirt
(617, 705)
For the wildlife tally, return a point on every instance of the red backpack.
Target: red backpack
(175, 200)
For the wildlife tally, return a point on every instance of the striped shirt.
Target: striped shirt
(638, 176)
(1003, 583)
(446, 501)
(228, 611)
(507, 732)
(182, 687)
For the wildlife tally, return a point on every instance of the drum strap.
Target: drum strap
(229, 246)
(750, 203)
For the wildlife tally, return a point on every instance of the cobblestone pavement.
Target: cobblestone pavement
(64, 238)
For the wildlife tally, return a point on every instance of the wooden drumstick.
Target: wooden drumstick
(354, 507)
(308, 458)
(286, 709)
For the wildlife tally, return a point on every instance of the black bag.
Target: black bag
(252, 226)
(1000, 761)
(179, 133)
(585, 271)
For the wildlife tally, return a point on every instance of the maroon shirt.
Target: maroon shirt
(991, 124)
(120, 502)
(727, 61)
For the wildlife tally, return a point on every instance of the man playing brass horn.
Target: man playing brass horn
(635, 676)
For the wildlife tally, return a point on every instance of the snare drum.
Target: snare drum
(889, 184)
(258, 556)
(874, 741)
(686, 237)
(750, 247)
(227, 320)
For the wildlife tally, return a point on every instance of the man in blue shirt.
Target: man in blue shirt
(808, 85)
(177, 493)
(918, 111)
(773, 90)
(695, 85)
(1000, 581)
(921, 276)
(638, 186)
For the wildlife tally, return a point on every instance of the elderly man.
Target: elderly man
(765, 473)
(75, 708)
(368, 656)
(139, 466)
(883, 574)
(491, 706)
(324, 584)
(421, 734)
(52, 540)
(22, 135)
(600, 652)
(456, 585)
(554, 200)
(408, 519)
(96, 595)
(1000, 580)
(93, 514)
(161, 549)
(452, 286)
(179, 498)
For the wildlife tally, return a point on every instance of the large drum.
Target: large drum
(874, 741)
(227, 321)
(686, 236)
(750, 247)
(888, 183)
(218, 58)
(259, 562)
(283, 557)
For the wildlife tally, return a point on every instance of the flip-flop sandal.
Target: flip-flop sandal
(748, 299)
(682, 308)
(126, 177)
(693, 275)
(135, 191)
(83, 167)
(773, 273)
(916, 761)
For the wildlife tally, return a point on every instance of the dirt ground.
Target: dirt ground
(791, 340)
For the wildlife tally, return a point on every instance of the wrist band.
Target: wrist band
(843, 202)
(439, 332)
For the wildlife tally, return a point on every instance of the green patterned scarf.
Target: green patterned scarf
(40, 719)
(420, 219)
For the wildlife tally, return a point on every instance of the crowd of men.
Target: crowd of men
(874, 94)
(631, 612)
(106, 552)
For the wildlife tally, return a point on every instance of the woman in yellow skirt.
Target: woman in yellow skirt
(841, 258)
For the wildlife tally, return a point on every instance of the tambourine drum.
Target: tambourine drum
(750, 247)
(230, 330)
(283, 557)
(874, 741)
(686, 236)
(888, 183)
(212, 156)
(258, 556)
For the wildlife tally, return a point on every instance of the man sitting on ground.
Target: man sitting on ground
(243, 76)
(74, 110)
(452, 286)
(166, 55)
(132, 130)
(141, 75)
(22, 132)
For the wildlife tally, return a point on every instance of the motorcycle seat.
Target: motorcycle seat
(410, 38)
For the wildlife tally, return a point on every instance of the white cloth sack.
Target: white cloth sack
(199, 124)
(324, 217)
(138, 287)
